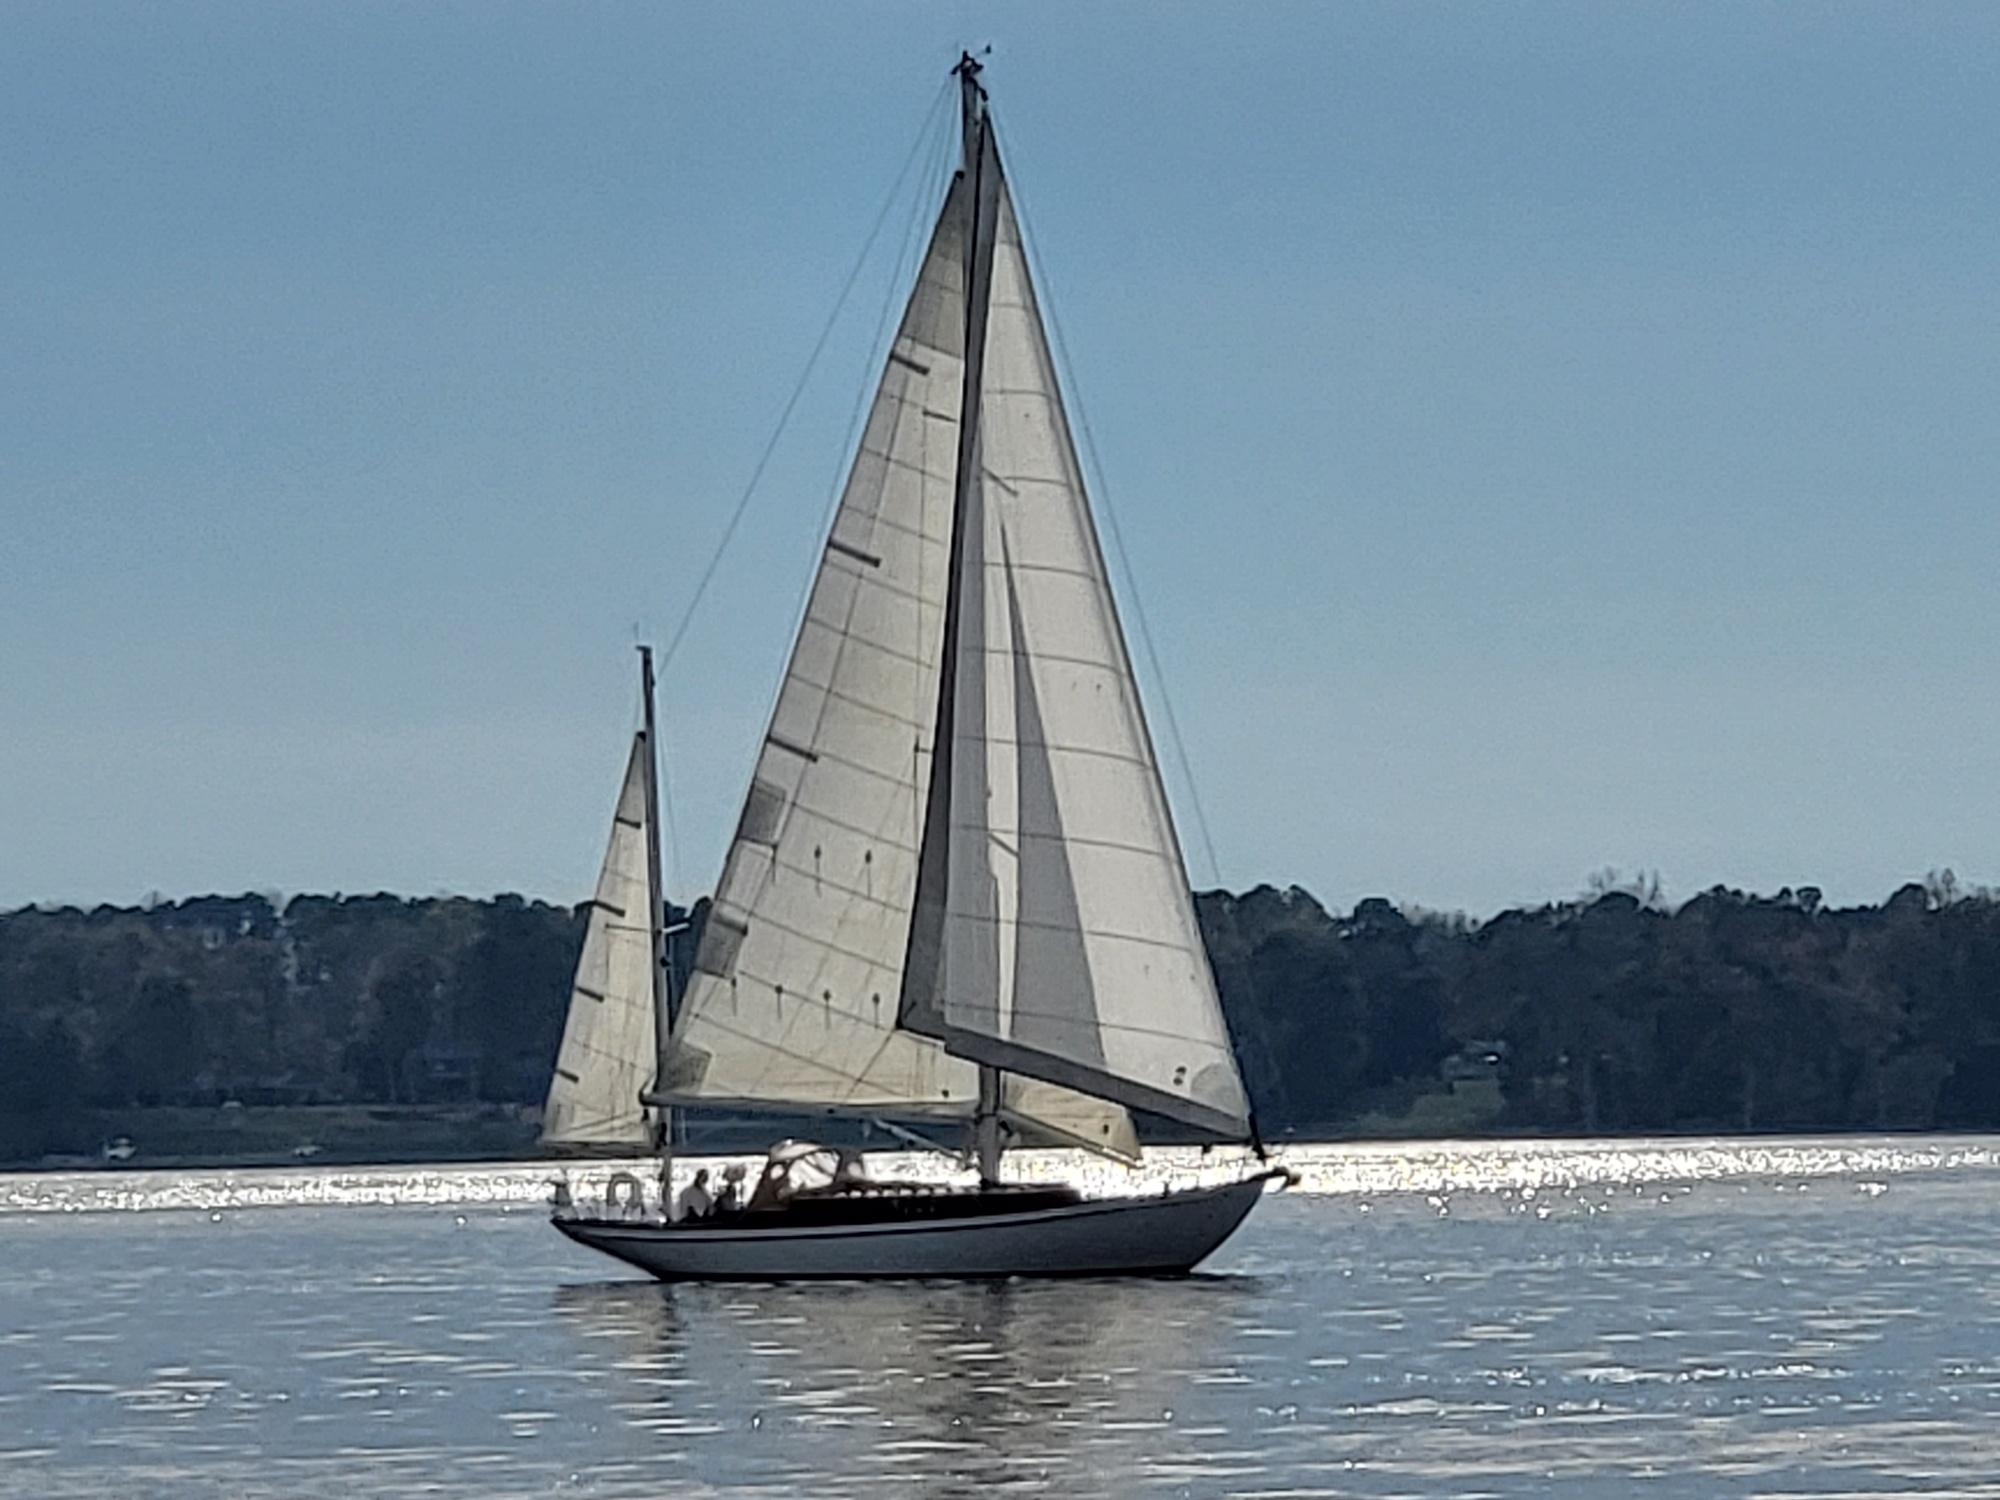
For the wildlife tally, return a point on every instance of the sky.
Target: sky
(1545, 436)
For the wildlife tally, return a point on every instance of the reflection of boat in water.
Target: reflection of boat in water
(955, 895)
(995, 1383)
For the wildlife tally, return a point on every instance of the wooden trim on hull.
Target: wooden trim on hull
(1164, 1235)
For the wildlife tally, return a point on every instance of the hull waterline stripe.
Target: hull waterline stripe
(613, 1232)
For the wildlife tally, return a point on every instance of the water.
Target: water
(1802, 1318)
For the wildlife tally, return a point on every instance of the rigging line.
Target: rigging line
(1029, 245)
(798, 390)
(665, 782)
(909, 262)
(903, 274)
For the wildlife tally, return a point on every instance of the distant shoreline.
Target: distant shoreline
(729, 1138)
(229, 1030)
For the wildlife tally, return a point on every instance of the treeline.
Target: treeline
(1612, 1013)
(1608, 1013)
(228, 998)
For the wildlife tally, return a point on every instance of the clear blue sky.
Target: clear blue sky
(1547, 436)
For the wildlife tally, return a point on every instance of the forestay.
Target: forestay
(609, 1041)
(1066, 945)
(793, 1003)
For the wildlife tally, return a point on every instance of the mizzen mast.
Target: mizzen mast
(656, 932)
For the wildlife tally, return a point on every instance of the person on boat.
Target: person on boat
(560, 1201)
(696, 1202)
(732, 1189)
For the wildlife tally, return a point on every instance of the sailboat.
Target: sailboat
(955, 897)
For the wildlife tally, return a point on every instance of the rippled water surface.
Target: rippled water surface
(1687, 1319)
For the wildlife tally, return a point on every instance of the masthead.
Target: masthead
(973, 102)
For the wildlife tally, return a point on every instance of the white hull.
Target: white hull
(1157, 1236)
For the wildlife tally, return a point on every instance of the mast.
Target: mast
(987, 1138)
(972, 110)
(656, 920)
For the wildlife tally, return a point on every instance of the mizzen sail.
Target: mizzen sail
(608, 1046)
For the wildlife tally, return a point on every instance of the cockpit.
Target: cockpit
(795, 1169)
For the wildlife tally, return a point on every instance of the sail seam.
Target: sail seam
(903, 656)
(811, 1062)
(592, 1050)
(1057, 657)
(1023, 481)
(1060, 569)
(1131, 1028)
(1022, 392)
(891, 523)
(811, 810)
(922, 471)
(1090, 932)
(1117, 846)
(831, 947)
(838, 888)
(873, 1058)
(1117, 755)
(804, 1058)
(901, 721)
(855, 765)
(873, 580)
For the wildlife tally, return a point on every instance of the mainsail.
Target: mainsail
(1055, 934)
(886, 928)
(608, 1047)
(793, 1003)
